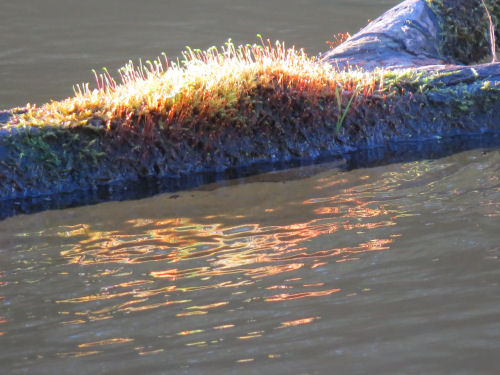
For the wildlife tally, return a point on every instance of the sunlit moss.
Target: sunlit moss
(227, 108)
(246, 88)
(206, 86)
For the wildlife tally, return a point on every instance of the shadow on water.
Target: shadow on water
(363, 158)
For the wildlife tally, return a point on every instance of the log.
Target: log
(401, 78)
(418, 33)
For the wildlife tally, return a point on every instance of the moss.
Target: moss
(255, 104)
(465, 36)
(209, 89)
(42, 158)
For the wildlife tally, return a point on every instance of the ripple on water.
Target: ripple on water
(307, 272)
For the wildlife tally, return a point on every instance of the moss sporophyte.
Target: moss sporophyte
(232, 86)
(221, 86)
(227, 107)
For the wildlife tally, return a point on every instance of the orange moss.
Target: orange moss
(338, 39)
(204, 86)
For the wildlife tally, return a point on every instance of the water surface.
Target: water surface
(392, 269)
(386, 270)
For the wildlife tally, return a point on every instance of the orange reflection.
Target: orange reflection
(327, 210)
(74, 230)
(377, 244)
(226, 326)
(95, 297)
(313, 285)
(251, 335)
(186, 333)
(298, 322)
(167, 274)
(206, 307)
(128, 284)
(198, 343)
(285, 296)
(106, 342)
(176, 258)
(279, 287)
(318, 264)
(328, 183)
(78, 354)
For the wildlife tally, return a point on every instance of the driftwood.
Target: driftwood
(418, 33)
(437, 38)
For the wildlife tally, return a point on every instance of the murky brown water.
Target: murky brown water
(386, 270)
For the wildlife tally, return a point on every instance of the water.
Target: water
(385, 270)
(392, 269)
(48, 46)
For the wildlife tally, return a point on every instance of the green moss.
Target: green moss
(465, 28)
(52, 152)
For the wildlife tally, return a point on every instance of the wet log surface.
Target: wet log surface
(417, 33)
(449, 99)
(405, 36)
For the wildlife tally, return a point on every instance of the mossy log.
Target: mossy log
(421, 46)
(418, 33)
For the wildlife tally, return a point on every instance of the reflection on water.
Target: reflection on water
(386, 270)
(185, 255)
(392, 265)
